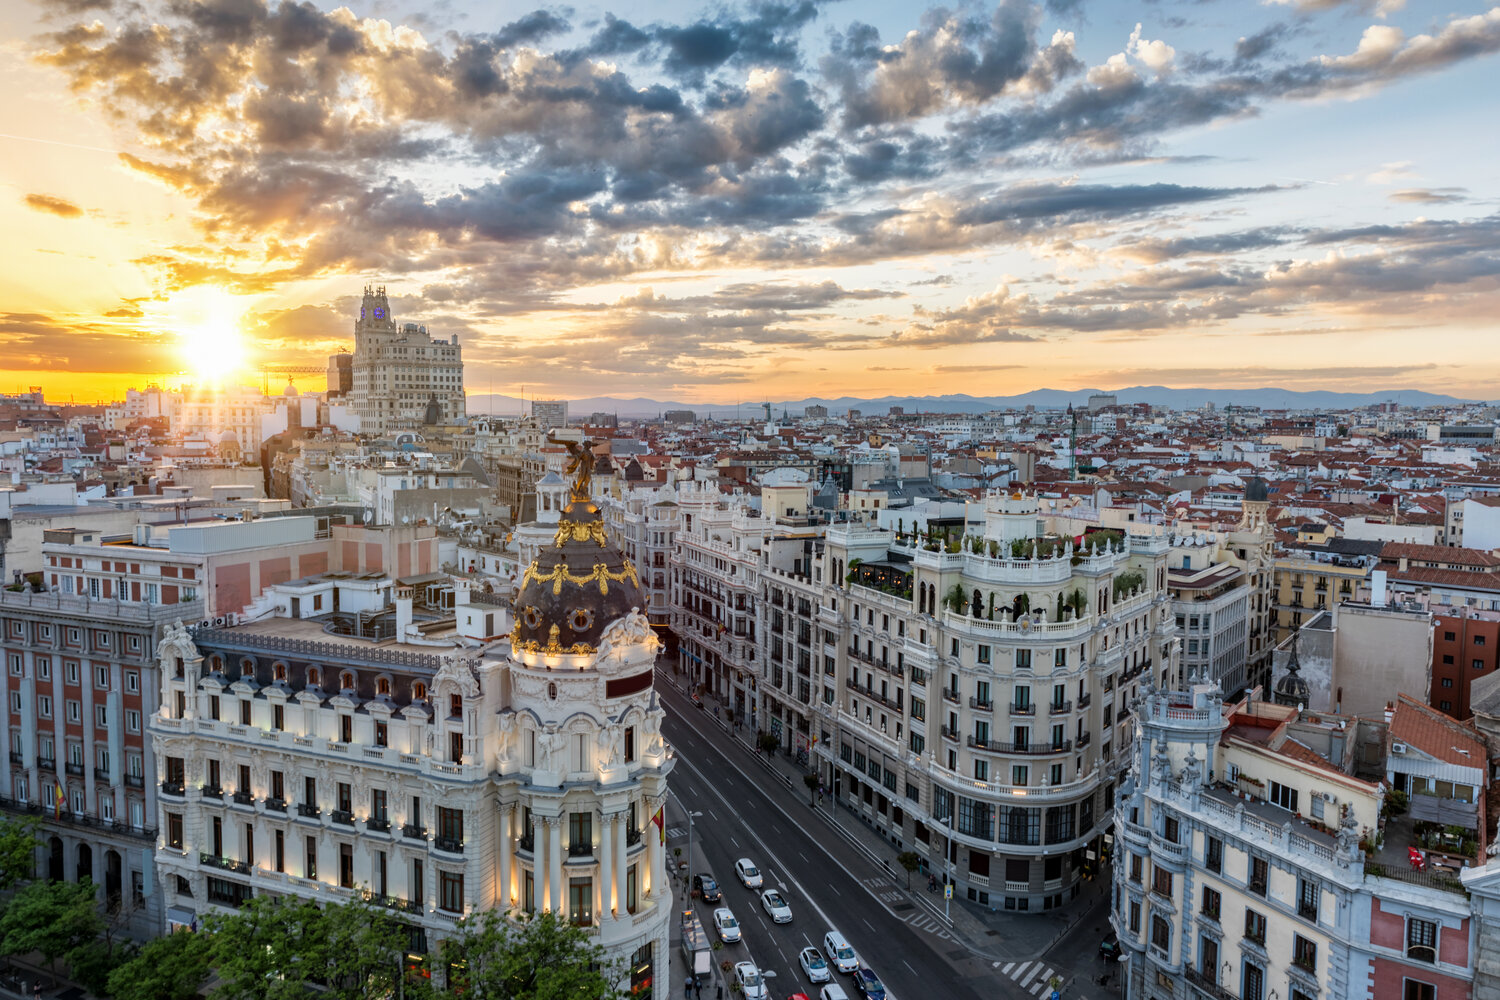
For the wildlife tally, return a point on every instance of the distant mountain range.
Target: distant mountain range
(1156, 395)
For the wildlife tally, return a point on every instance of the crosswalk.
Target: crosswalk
(1030, 976)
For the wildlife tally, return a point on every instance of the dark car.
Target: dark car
(1109, 948)
(869, 985)
(707, 888)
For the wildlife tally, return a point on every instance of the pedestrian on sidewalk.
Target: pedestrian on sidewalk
(687, 988)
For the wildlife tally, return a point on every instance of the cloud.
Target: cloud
(37, 341)
(1429, 196)
(60, 207)
(1158, 56)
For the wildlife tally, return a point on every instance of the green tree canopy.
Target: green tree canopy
(268, 950)
(166, 968)
(18, 844)
(542, 958)
(53, 918)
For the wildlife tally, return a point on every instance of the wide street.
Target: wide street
(826, 884)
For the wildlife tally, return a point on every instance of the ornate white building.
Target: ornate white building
(402, 378)
(437, 775)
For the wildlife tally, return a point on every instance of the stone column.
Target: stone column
(507, 847)
(621, 864)
(554, 863)
(607, 903)
(654, 879)
(539, 867)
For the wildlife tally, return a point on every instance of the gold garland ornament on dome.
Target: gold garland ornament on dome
(600, 575)
(580, 531)
(553, 646)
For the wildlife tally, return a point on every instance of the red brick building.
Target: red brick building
(1464, 646)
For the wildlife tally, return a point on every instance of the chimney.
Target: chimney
(1377, 588)
(460, 591)
(403, 611)
(1390, 712)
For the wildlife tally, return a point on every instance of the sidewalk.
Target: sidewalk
(989, 934)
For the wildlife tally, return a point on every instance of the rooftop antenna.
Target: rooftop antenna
(1072, 443)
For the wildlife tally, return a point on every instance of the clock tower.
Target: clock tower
(401, 378)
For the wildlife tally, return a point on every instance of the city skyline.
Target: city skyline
(769, 200)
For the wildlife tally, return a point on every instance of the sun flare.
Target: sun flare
(209, 340)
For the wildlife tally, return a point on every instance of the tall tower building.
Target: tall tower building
(402, 378)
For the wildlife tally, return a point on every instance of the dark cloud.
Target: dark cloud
(53, 206)
(1430, 196)
(1251, 48)
(1071, 202)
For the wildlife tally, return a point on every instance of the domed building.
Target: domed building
(584, 772)
(441, 774)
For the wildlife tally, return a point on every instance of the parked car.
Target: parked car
(832, 991)
(748, 873)
(869, 985)
(840, 953)
(751, 983)
(776, 907)
(726, 925)
(798, 996)
(1109, 948)
(708, 888)
(813, 965)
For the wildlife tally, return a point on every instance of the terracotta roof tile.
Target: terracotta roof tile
(1436, 735)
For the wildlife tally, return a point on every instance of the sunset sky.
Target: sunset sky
(772, 200)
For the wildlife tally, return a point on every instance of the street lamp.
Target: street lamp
(689, 885)
(943, 821)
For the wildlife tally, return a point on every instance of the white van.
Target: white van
(840, 955)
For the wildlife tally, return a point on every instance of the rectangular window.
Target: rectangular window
(280, 851)
(1283, 796)
(1208, 958)
(1023, 659)
(278, 717)
(101, 676)
(450, 825)
(245, 712)
(1161, 934)
(346, 865)
(1259, 873)
(1421, 940)
(381, 734)
(1161, 882)
(174, 830)
(1135, 867)
(1214, 854)
(378, 805)
(1307, 899)
(1255, 983)
(310, 859)
(1255, 927)
(1304, 954)
(450, 892)
(1135, 917)
(1212, 902)
(1415, 989)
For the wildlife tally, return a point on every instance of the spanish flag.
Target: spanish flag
(58, 799)
(661, 823)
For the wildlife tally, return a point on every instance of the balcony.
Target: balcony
(1308, 911)
(632, 837)
(16, 757)
(76, 770)
(1022, 709)
(1084, 739)
(951, 697)
(224, 864)
(1085, 700)
(580, 850)
(950, 734)
(307, 811)
(378, 825)
(983, 704)
(1028, 749)
(414, 831)
(135, 781)
(450, 845)
(174, 788)
(526, 843)
(343, 817)
(276, 805)
(1207, 986)
(1060, 707)
(47, 764)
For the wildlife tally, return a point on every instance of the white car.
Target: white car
(840, 954)
(776, 907)
(832, 992)
(813, 965)
(752, 984)
(726, 925)
(748, 873)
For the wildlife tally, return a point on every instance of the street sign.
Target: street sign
(948, 891)
(1056, 995)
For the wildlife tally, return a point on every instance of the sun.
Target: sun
(209, 340)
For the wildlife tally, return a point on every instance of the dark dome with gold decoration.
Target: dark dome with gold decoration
(578, 584)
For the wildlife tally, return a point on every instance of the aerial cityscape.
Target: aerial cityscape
(776, 500)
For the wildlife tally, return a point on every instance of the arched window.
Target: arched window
(314, 678)
(247, 667)
(383, 687)
(419, 691)
(278, 671)
(216, 664)
(346, 681)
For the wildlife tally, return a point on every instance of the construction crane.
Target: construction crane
(269, 370)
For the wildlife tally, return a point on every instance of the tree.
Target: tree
(166, 968)
(268, 950)
(53, 918)
(811, 781)
(365, 947)
(18, 844)
(769, 742)
(911, 861)
(541, 957)
(91, 963)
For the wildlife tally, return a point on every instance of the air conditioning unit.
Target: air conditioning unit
(218, 622)
(1398, 747)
